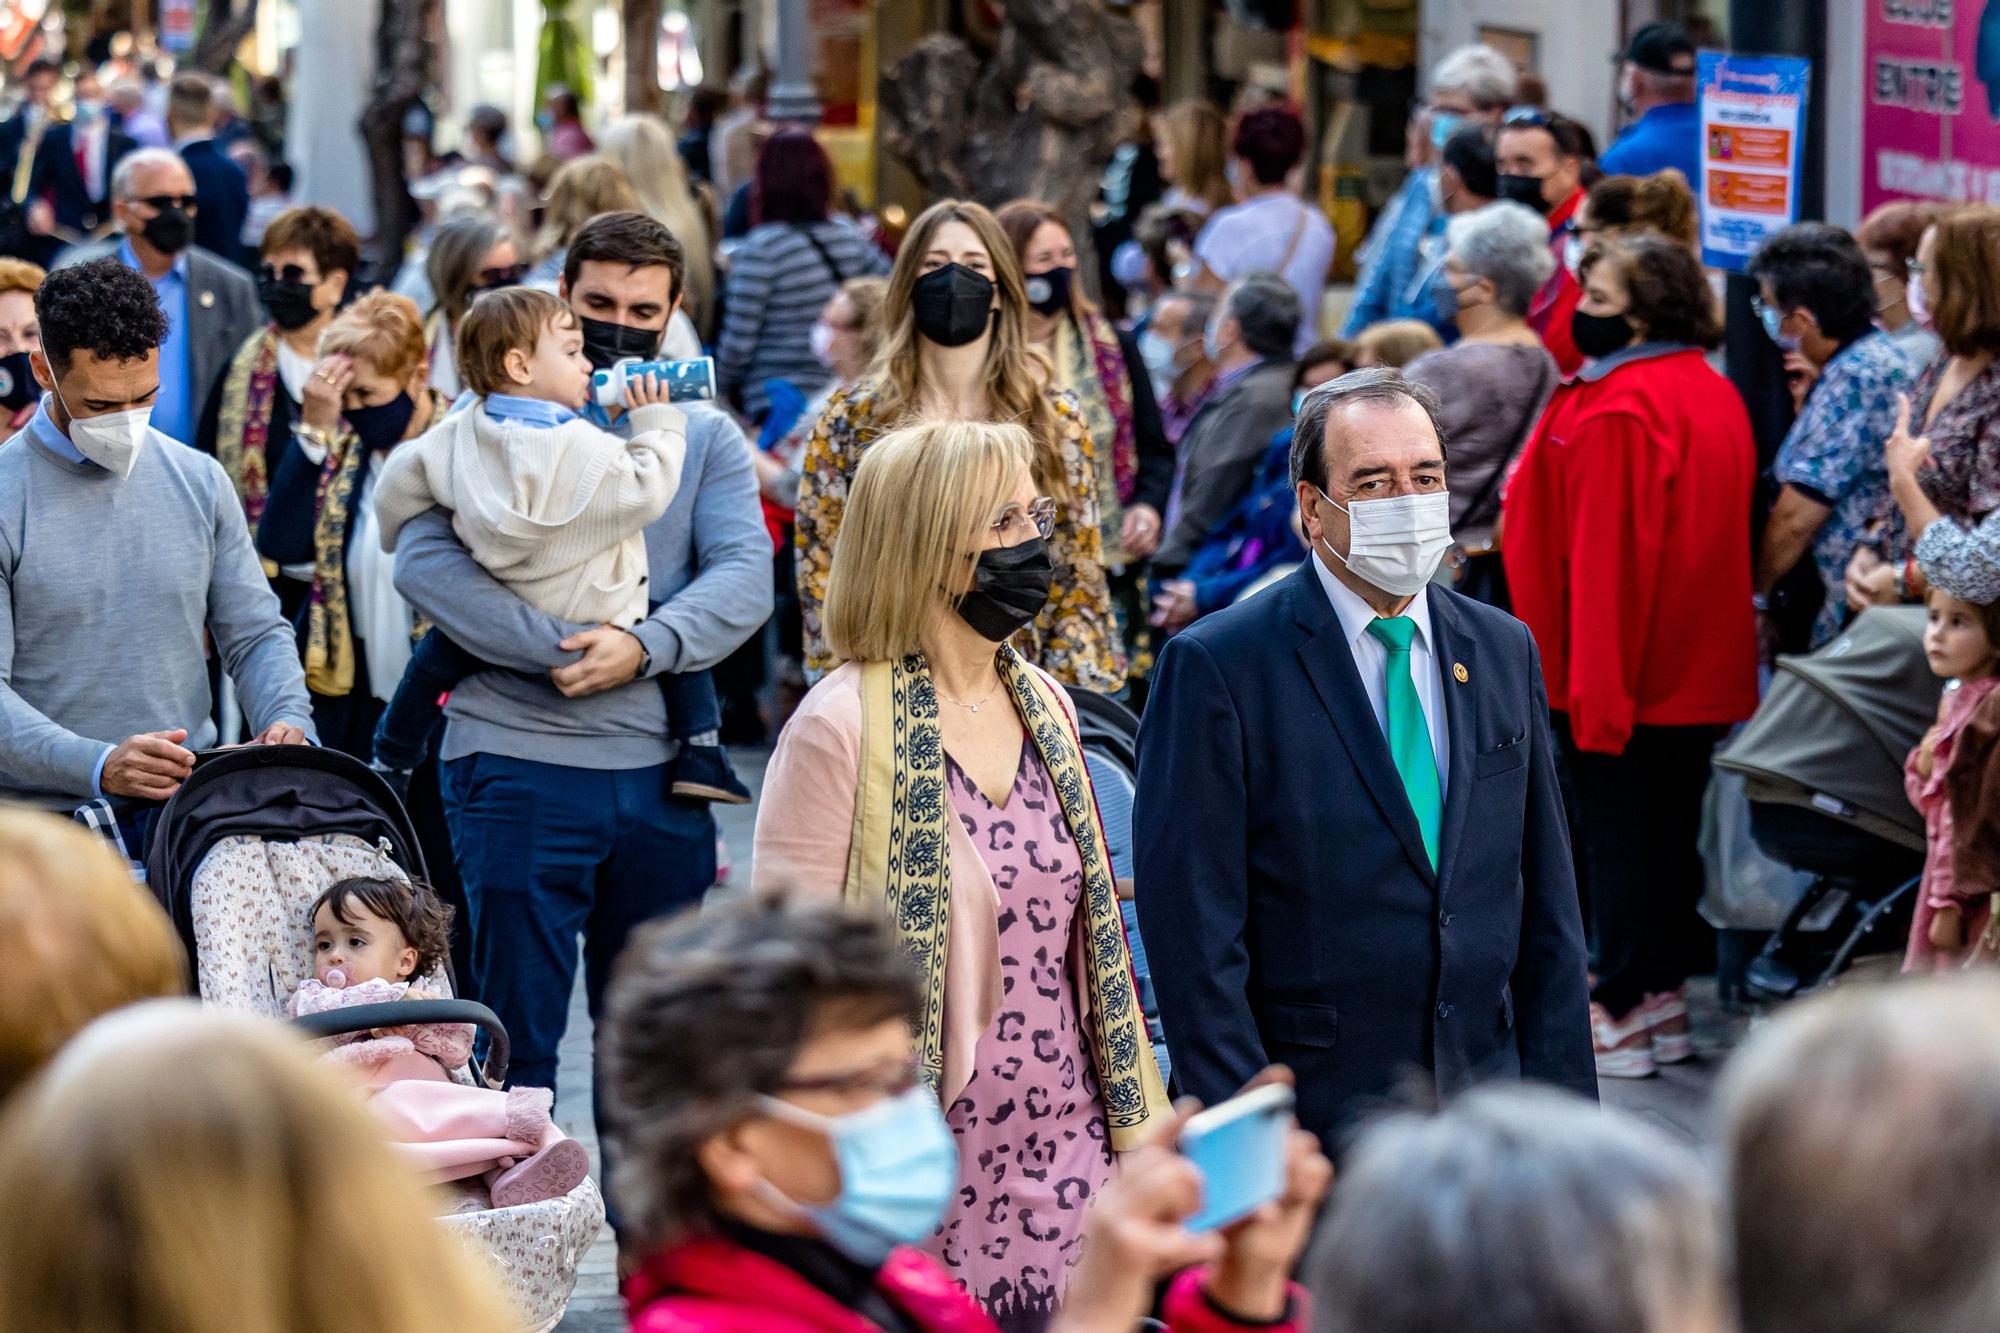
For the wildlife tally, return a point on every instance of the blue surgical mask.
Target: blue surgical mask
(1158, 354)
(1298, 401)
(898, 1167)
(1444, 294)
(1211, 340)
(1771, 319)
(1444, 124)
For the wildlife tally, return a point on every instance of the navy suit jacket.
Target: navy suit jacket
(58, 176)
(224, 195)
(1285, 899)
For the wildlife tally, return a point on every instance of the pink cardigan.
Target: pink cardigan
(805, 825)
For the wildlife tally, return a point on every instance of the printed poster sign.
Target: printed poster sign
(1931, 125)
(177, 25)
(1753, 116)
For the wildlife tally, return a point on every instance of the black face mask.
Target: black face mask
(606, 344)
(1599, 335)
(290, 303)
(953, 305)
(382, 426)
(1010, 585)
(17, 382)
(1049, 292)
(168, 231)
(1524, 190)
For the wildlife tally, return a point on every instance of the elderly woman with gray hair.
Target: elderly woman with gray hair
(1520, 1210)
(1494, 381)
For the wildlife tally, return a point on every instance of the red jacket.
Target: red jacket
(1627, 546)
(1549, 312)
(714, 1285)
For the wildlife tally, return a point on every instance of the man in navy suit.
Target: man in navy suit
(73, 170)
(220, 186)
(1352, 857)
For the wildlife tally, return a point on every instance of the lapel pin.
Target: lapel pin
(1459, 673)
(208, 300)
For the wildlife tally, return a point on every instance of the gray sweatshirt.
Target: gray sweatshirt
(106, 585)
(709, 561)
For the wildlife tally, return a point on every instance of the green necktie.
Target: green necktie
(1409, 734)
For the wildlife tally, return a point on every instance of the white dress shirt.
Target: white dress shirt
(1371, 660)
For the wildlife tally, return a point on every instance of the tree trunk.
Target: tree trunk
(223, 32)
(402, 72)
(1039, 123)
(642, 56)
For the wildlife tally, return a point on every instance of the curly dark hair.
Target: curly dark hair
(1271, 139)
(1667, 289)
(707, 1011)
(1818, 267)
(413, 908)
(102, 307)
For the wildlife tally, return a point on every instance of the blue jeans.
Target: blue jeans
(548, 852)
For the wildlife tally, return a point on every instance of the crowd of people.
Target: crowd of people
(1432, 610)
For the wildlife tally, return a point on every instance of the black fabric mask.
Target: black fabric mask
(17, 382)
(606, 344)
(1599, 335)
(290, 303)
(1524, 190)
(1049, 292)
(168, 231)
(953, 305)
(383, 425)
(1010, 585)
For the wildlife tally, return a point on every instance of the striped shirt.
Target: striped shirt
(778, 284)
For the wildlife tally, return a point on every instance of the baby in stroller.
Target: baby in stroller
(1948, 779)
(370, 937)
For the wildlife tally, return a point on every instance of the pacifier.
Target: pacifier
(336, 977)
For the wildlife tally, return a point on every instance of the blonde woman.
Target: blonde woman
(1191, 142)
(78, 938)
(938, 777)
(581, 190)
(20, 334)
(955, 347)
(137, 1194)
(644, 147)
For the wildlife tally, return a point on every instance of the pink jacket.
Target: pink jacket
(450, 1044)
(716, 1286)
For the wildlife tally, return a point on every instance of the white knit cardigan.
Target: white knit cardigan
(556, 515)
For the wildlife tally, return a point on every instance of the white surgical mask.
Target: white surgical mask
(111, 441)
(821, 342)
(1158, 354)
(1395, 544)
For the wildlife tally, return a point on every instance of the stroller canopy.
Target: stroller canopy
(1836, 726)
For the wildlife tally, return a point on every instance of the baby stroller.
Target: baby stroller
(1110, 735)
(1822, 763)
(239, 855)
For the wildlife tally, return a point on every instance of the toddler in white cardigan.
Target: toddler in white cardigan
(549, 504)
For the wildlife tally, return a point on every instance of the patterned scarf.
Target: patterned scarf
(900, 865)
(1090, 364)
(329, 632)
(244, 425)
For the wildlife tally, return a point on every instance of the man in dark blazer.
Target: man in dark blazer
(220, 185)
(73, 172)
(211, 304)
(1352, 858)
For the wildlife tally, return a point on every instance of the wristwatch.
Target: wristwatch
(645, 658)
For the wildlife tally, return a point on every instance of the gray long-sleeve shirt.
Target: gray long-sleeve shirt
(709, 566)
(106, 585)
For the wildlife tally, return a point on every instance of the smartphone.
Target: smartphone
(1239, 1148)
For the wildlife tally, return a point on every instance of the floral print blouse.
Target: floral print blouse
(1960, 552)
(1075, 638)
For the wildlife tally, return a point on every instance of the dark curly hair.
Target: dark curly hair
(1818, 267)
(101, 307)
(412, 908)
(1271, 139)
(707, 1011)
(1665, 284)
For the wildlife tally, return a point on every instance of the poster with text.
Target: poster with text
(1931, 126)
(1753, 116)
(177, 25)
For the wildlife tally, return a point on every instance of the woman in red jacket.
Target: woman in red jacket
(781, 1157)
(1628, 552)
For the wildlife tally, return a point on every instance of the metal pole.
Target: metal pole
(793, 96)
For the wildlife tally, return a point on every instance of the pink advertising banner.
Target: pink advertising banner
(1931, 126)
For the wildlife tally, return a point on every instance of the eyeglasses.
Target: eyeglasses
(1913, 269)
(502, 277)
(186, 203)
(882, 1080)
(1530, 117)
(1014, 522)
(1758, 308)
